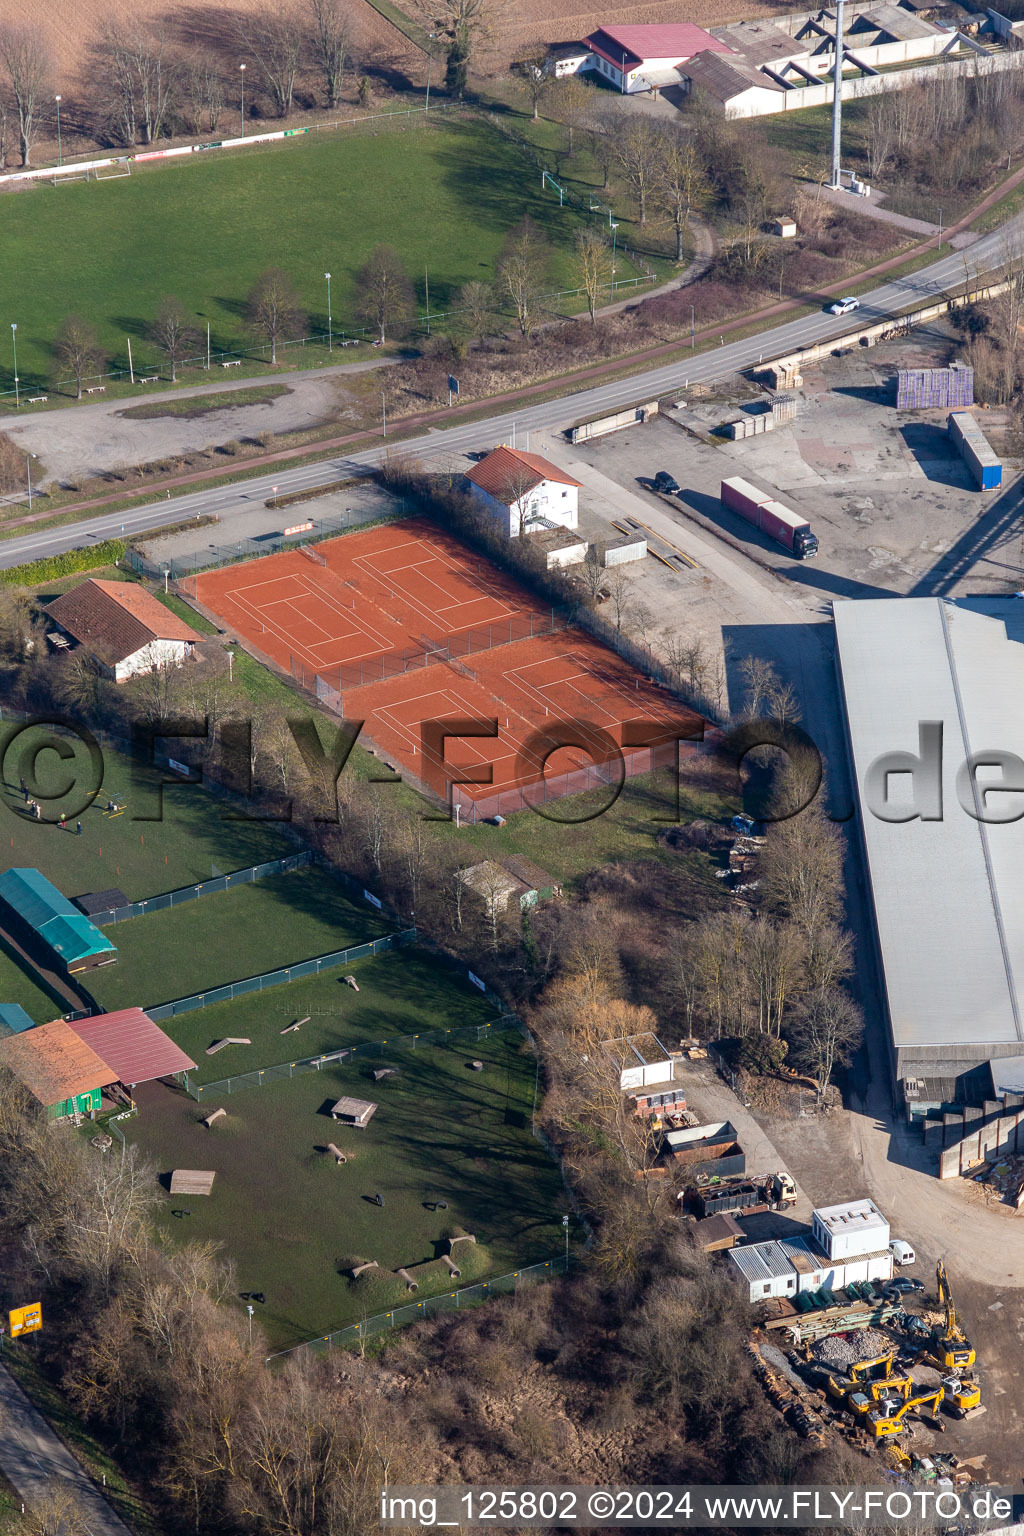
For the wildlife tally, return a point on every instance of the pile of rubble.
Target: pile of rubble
(1004, 1178)
(840, 1351)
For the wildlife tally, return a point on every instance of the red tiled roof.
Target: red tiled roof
(55, 1063)
(669, 40)
(133, 1046)
(114, 619)
(508, 473)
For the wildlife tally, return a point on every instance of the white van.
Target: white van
(902, 1252)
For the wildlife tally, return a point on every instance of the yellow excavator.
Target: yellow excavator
(951, 1348)
(885, 1424)
(963, 1395)
(840, 1387)
(863, 1397)
(877, 1369)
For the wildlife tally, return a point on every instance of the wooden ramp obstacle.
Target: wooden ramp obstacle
(290, 1029)
(357, 1112)
(218, 1045)
(191, 1181)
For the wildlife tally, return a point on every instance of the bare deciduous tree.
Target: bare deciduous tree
(385, 293)
(826, 1030)
(681, 184)
(57, 1511)
(593, 263)
(24, 55)
(521, 268)
(530, 74)
(76, 348)
(463, 24)
(273, 39)
(273, 308)
(174, 331)
(639, 148)
(572, 103)
(330, 45)
(475, 301)
(138, 79)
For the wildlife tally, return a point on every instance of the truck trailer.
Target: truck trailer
(975, 450)
(787, 528)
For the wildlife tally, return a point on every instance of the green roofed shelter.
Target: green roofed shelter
(14, 1020)
(75, 942)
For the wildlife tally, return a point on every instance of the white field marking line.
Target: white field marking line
(662, 713)
(481, 759)
(357, 625)
(435, 553)
(261, 618)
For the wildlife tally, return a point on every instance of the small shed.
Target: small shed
(717, 1233)
(624, 550)
(493, 884)
(14, 1020)
(72, 942)
(540, 886)
(133, 1046)
(58, 1068)
(784, 228)
(99, 903)
(357, 1112)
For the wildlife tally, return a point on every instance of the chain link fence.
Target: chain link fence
(430, 1306)
(281, 977)
(204, 888)
(366, 1049)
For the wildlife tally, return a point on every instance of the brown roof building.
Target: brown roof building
(55, 1065)
(123, 626)
(133, 1046)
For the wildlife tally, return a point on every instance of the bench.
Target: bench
(351, 342)
(150, 378)
(38, 399)
(97, 389)
(234, 362)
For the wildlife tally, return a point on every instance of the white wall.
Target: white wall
(159, 653)
(645, 1076)
(552, 500)
(757, 103)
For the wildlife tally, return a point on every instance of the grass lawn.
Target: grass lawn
(292, 1219)
(445, 194)
(17, 986)
(222, 938)
(402, 992)
(194, 841)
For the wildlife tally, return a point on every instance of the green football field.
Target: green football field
(444, 194)
(293, 1220)
(230, 936)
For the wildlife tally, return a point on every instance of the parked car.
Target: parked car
(900, 1287)
(663, 481)
(844, 306)
(902, 1252)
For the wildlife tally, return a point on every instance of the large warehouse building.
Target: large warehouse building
(940, 684)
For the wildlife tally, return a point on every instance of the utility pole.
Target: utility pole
(241, 76)
(837, 100)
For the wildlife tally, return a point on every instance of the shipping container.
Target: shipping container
(975, 450)
(787, 528)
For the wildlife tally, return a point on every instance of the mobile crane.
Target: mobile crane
(885, 1424)
(953, 1351)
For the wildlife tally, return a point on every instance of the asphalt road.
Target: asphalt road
(944, 275)
(32, 1456)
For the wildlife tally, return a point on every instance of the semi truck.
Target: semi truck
(787, 528)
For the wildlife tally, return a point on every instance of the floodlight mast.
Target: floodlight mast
(837, 101)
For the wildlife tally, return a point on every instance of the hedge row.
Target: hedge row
(36, 572)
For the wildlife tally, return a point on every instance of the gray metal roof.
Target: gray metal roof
(949, 894)
(777, 1259)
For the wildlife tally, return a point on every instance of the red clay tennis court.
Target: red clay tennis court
(402, 625)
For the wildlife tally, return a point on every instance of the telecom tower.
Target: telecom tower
(837, 99)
